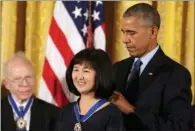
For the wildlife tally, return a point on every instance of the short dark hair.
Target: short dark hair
(98, 60)
(148, 13)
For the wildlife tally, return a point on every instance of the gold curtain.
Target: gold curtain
(8, 31)
(38, 19)
(176, 35)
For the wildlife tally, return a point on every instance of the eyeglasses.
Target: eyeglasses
(19, 80)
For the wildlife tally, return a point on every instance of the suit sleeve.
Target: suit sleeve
(59, 119)
(55, 112)
(176, 100)
(115, 123)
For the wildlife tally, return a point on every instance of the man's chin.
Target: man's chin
(133, 54)
(25, 97)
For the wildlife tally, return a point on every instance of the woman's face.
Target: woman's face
(83, 77)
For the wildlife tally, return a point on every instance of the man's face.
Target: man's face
(20, 80)
(137, 37)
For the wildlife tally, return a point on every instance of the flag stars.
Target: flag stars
(86, 14)
(84, 30)
(98, 2)
(96, 15)
(77, 12)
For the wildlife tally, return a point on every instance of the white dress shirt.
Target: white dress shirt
(26, 116)
(146, 58)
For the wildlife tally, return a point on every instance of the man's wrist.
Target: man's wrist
(131, 110)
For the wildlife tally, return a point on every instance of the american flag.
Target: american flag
(75, 25)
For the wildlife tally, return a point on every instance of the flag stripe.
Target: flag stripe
(99, 38)
(103, 27)
(54, 85)
(57, 64)
(61, 42)
(44, 92)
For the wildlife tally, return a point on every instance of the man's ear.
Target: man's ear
(6, 84)
(154, 32)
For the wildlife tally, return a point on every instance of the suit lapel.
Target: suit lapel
(36, 116)
(125, 70)
(151, 71)
(9, 120)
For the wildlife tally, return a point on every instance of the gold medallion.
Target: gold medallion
(77, 127)
(21, 123)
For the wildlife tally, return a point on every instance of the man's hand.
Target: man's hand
(119, 100)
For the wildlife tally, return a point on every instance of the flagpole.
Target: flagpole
(89, 28)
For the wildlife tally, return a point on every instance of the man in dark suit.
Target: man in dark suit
(152, 89)
(21, 110)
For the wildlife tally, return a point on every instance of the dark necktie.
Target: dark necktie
(132, 86)
(21, 109)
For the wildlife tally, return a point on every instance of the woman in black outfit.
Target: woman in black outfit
(90, 76)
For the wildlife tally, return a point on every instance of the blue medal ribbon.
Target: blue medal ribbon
(20, 113)
(90, 112)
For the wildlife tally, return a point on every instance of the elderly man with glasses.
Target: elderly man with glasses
(21, 110)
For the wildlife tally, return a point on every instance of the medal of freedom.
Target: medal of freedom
(77, 127)
(92, 110)
(21, 123)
